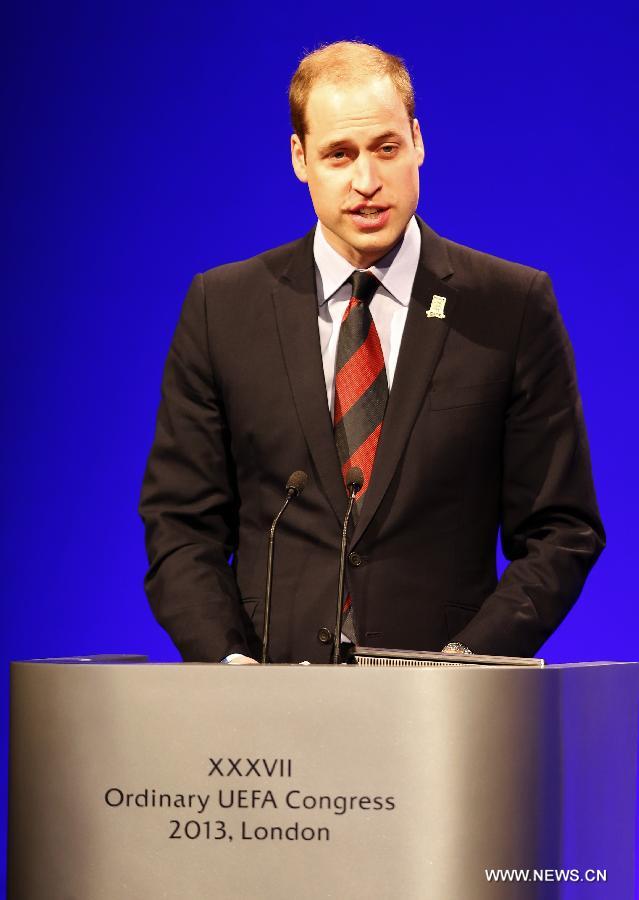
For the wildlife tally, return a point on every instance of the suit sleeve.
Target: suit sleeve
(189, 501)
(551, 531)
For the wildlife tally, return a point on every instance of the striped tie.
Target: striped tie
(361, 393)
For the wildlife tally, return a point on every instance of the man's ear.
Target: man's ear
(298, 158)
(419, 143)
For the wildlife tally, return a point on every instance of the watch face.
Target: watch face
(455, 647)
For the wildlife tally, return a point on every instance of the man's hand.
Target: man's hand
(237, 659)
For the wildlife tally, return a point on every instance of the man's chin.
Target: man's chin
(376, 244)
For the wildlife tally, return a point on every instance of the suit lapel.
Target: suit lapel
(422, 343)
(295, 302)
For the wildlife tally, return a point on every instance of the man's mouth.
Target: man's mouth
(368, 212)
(369, 218)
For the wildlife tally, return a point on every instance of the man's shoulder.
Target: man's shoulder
(267, 266)
(477, 269)
(490, 288)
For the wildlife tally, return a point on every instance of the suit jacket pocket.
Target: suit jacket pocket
(468, 395)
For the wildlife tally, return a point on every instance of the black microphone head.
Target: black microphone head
(354, 479)
(296, 483)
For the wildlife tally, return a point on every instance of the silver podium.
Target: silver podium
(144, 781)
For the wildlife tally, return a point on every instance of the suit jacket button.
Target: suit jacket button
(324, 636)
(355, 559)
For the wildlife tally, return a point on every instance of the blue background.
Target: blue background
(142, 144)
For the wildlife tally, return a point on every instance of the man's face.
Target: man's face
(361, 164)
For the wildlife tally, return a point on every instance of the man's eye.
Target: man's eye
(387, 149)
(338, 154)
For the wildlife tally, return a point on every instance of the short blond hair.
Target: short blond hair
(350, 62)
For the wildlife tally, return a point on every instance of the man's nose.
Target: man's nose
(366, 178)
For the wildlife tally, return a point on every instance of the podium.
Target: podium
(137, 781)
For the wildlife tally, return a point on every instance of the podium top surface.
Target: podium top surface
(141, 660)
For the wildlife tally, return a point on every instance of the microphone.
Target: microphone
(354, 482)
(294, 487)
(296, 483)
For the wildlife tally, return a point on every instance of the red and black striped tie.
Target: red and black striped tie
(361, 392)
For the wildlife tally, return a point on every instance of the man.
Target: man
(444, 373)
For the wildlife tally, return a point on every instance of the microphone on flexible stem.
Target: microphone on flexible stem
(294, 487)
(354, 482)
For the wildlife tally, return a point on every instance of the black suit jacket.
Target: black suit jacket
(483, 430)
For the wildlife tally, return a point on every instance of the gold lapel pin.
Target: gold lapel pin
(436, 310)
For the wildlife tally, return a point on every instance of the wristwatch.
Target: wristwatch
(456, 647)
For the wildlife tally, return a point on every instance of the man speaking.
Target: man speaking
(444, 374)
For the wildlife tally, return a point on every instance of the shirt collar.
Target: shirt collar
(396, 270)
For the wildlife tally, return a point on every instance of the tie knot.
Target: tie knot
(364, 286)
